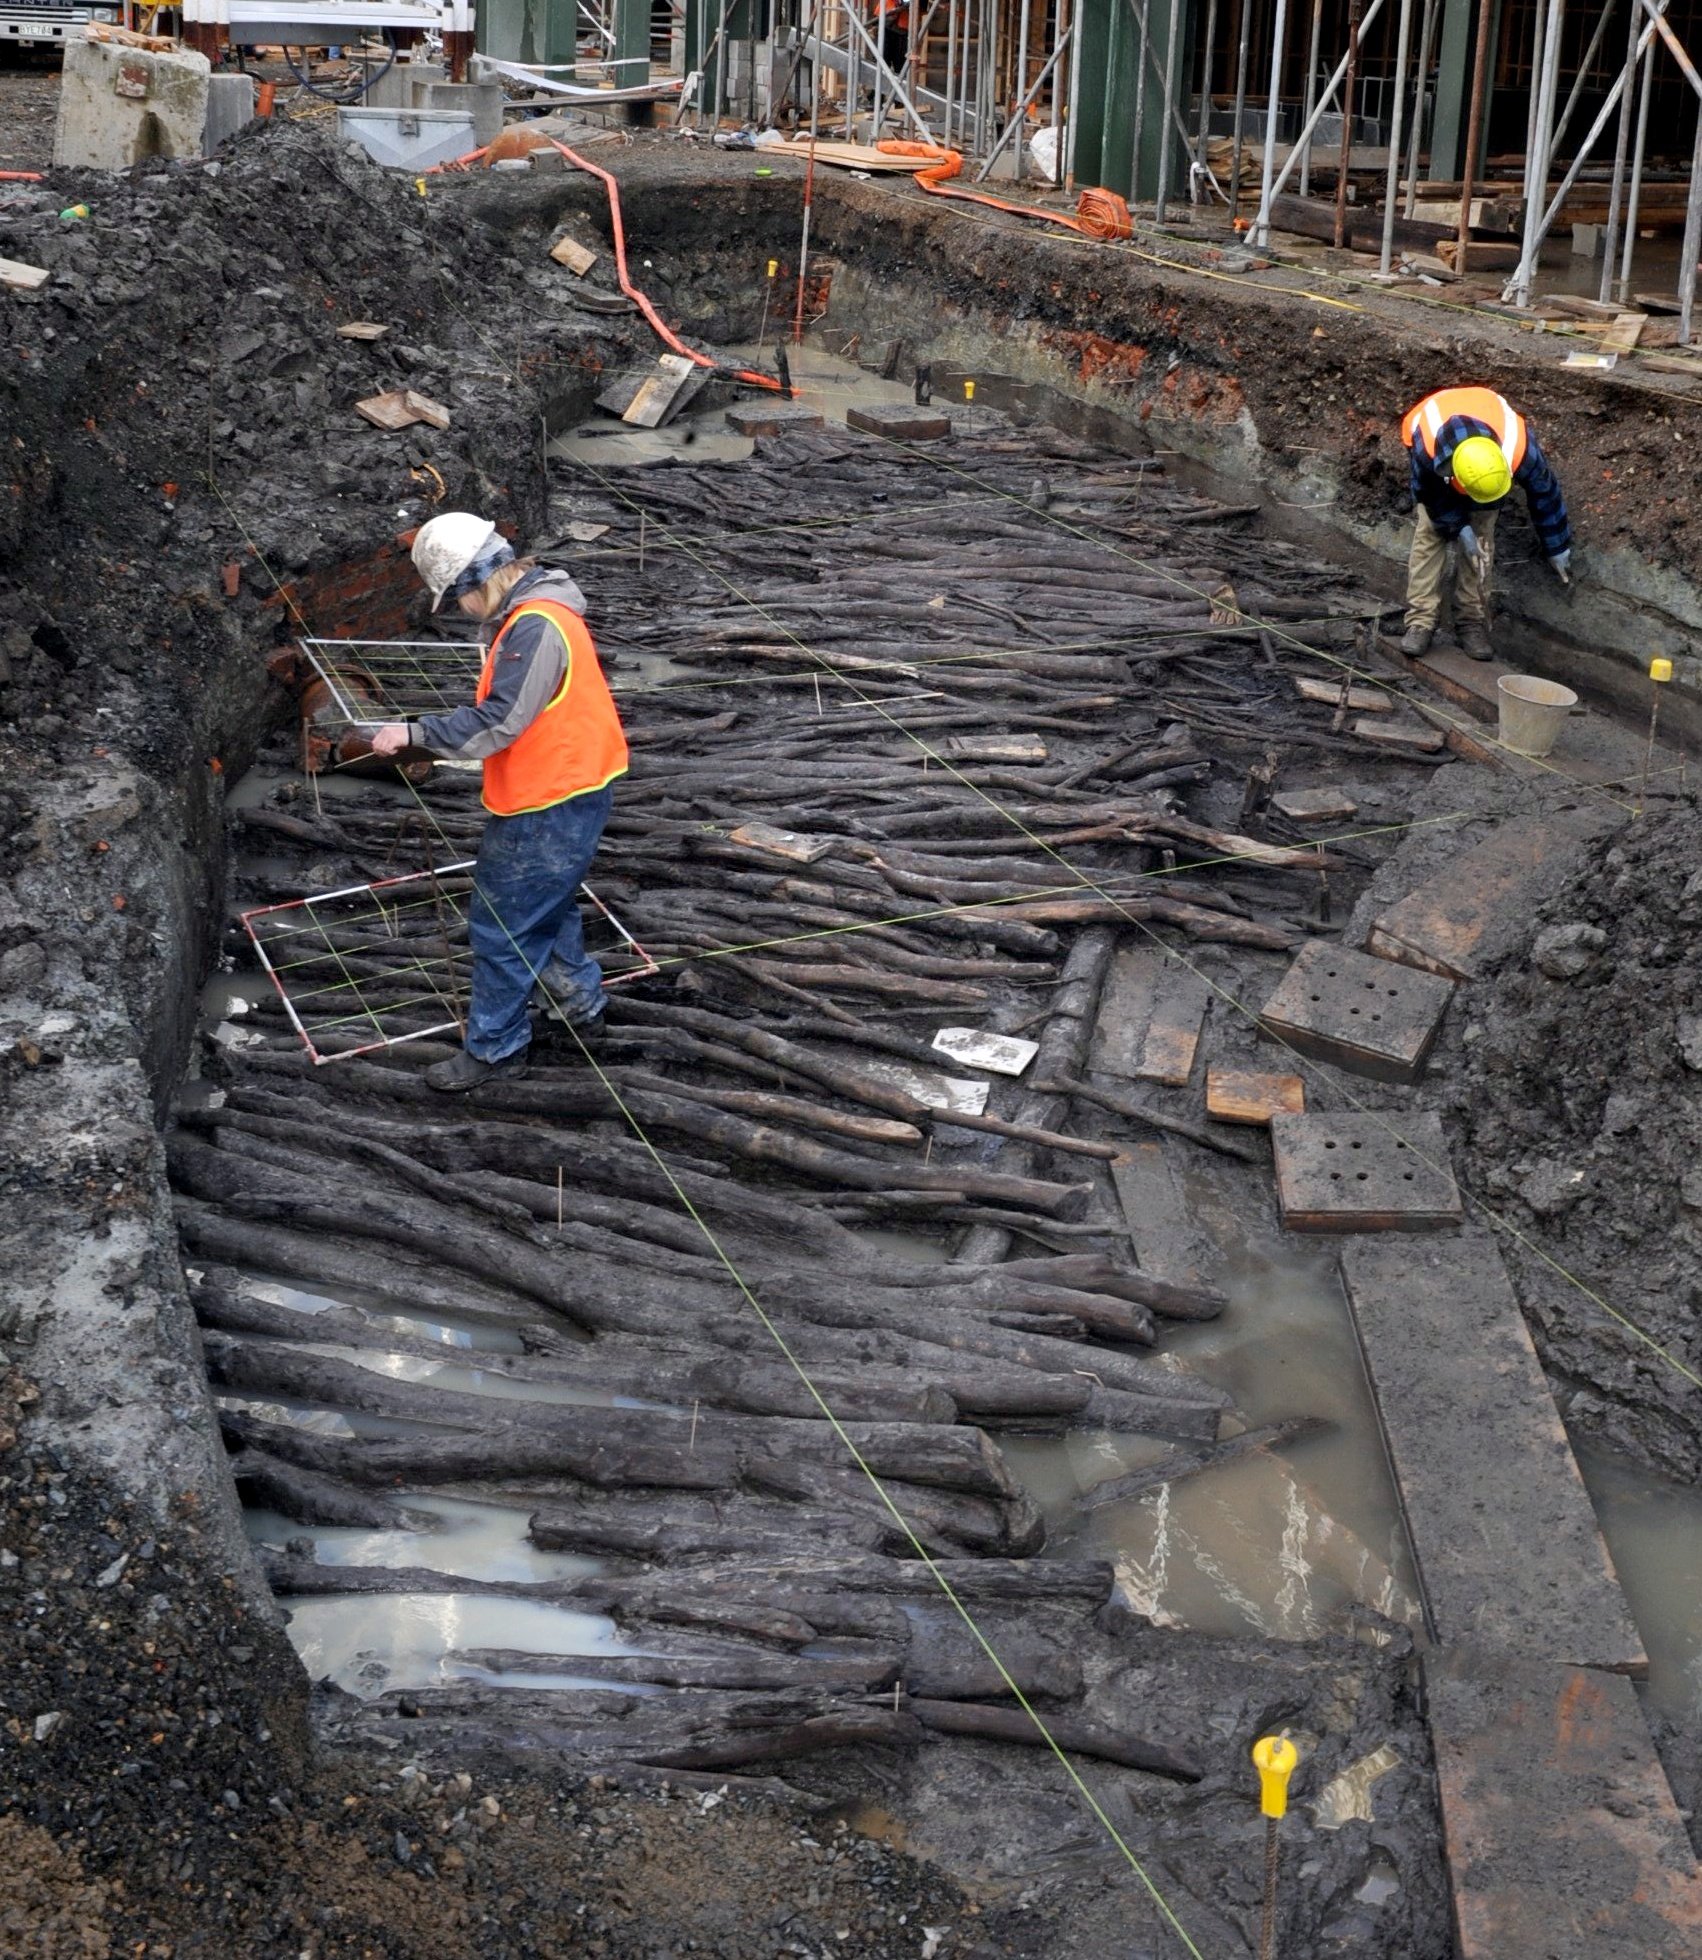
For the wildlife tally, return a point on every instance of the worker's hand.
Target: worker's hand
(390, 739)
(1473, 550)
(1562, 563)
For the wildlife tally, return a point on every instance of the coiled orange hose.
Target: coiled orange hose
(1099, 214)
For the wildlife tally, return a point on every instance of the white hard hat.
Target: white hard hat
(446, 548)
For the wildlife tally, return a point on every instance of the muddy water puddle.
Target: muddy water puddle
(1654, 1533)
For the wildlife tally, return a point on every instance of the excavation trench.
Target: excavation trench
(530, 1484)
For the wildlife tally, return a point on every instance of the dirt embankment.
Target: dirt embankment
(1583, 1124)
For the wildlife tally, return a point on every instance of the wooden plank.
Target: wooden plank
(1314, 805)
(1624, 333)
(568, 251)
(1237, 1095)
(1563, 1838)
(362, 330)
(1370, 700)
(1363, 1014)
(1444, 925)
(660, 396)
(424, 409)
(792, 845)
(773, 417)
(1398, 735)
(1149, 1019)
(899, 422)
(387, 411)
(1506, 1542)
(1166, 1241)
(1481, 255)
(23, 278)
(1366, 1171)
(994, 748)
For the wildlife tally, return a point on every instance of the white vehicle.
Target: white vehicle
(51, 23)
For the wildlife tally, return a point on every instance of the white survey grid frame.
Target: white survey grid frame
(388, 898)
(412, 677)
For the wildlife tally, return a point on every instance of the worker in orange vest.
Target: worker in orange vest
(1468, 448)
(894, 18)
(544, 725)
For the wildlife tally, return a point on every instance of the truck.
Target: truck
(51, 23)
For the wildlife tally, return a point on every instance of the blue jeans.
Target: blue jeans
(524, 921)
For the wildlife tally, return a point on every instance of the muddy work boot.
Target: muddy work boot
(464, 1071)
(1417, 640)
(1474, 640)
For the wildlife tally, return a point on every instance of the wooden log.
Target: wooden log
(310, 1497)
(1071, 1733)
(1188, 1463)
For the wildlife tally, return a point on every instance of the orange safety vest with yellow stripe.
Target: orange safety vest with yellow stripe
(575, 743)
(1423, 423)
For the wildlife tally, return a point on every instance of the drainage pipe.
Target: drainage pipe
(1392, 183)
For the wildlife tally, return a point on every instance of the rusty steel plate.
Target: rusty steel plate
(1367, 1015)
(1371, 1171)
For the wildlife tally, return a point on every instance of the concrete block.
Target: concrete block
(484, 99)
(119, 106)
(230, 107)
(400, 85)
(1587, 241)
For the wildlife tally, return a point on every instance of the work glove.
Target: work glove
(1473, 550)
(1562, 563)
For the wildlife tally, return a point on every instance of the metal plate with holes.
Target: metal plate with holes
(1365, 1172)
(1364, 1014)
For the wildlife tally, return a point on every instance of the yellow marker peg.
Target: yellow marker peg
(969, 391)
(773, 267)
(1660, 670)
(1275, 1758)
(420, 185)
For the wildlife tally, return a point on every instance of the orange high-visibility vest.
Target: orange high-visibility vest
(575, 745)
(1422, 424)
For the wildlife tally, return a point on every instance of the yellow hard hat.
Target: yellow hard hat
(1480, 470)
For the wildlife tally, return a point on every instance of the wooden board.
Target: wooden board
(844, 156)
(1236, 1095)
(1371, 700)
(424, 409)
(1399, 735)
(1506, 1542)
(792, 845)
(569, 252)
(1368, 1015)
(1165, 1239)
(899, 422)
(1563, 1839)
(661, 395)
(362, 330)
(1442, 926)
(1482, 255)
(1314, 805)
(387, 411)
(1368, 1171)
(23, 278)
(771, 418)
(1624, 332)
(1149, 1019)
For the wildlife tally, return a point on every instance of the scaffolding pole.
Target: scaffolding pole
(1474, 129)
(1636, 190)
(1262, 224)
(1311, 93)
(1426, 48)
(1621, 144)
(1518, 288)
(1244, 13)
(1356, 43)
(1692, 238)
(1166, 147)
(1392, 183)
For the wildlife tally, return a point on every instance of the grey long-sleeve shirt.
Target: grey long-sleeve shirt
(528, 673)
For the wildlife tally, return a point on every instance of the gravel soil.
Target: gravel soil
(29, 103)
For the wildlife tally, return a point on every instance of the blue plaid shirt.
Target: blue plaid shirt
(1433, 486)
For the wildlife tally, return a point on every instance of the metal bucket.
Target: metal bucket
(1533, 712)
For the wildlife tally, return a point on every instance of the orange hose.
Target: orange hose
(641, 300)
(1099, 214)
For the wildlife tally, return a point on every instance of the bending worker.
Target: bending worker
(544, 725)
(1468, 450)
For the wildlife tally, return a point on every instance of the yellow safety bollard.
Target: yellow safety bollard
(1275, 1757)
(1660, 671)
